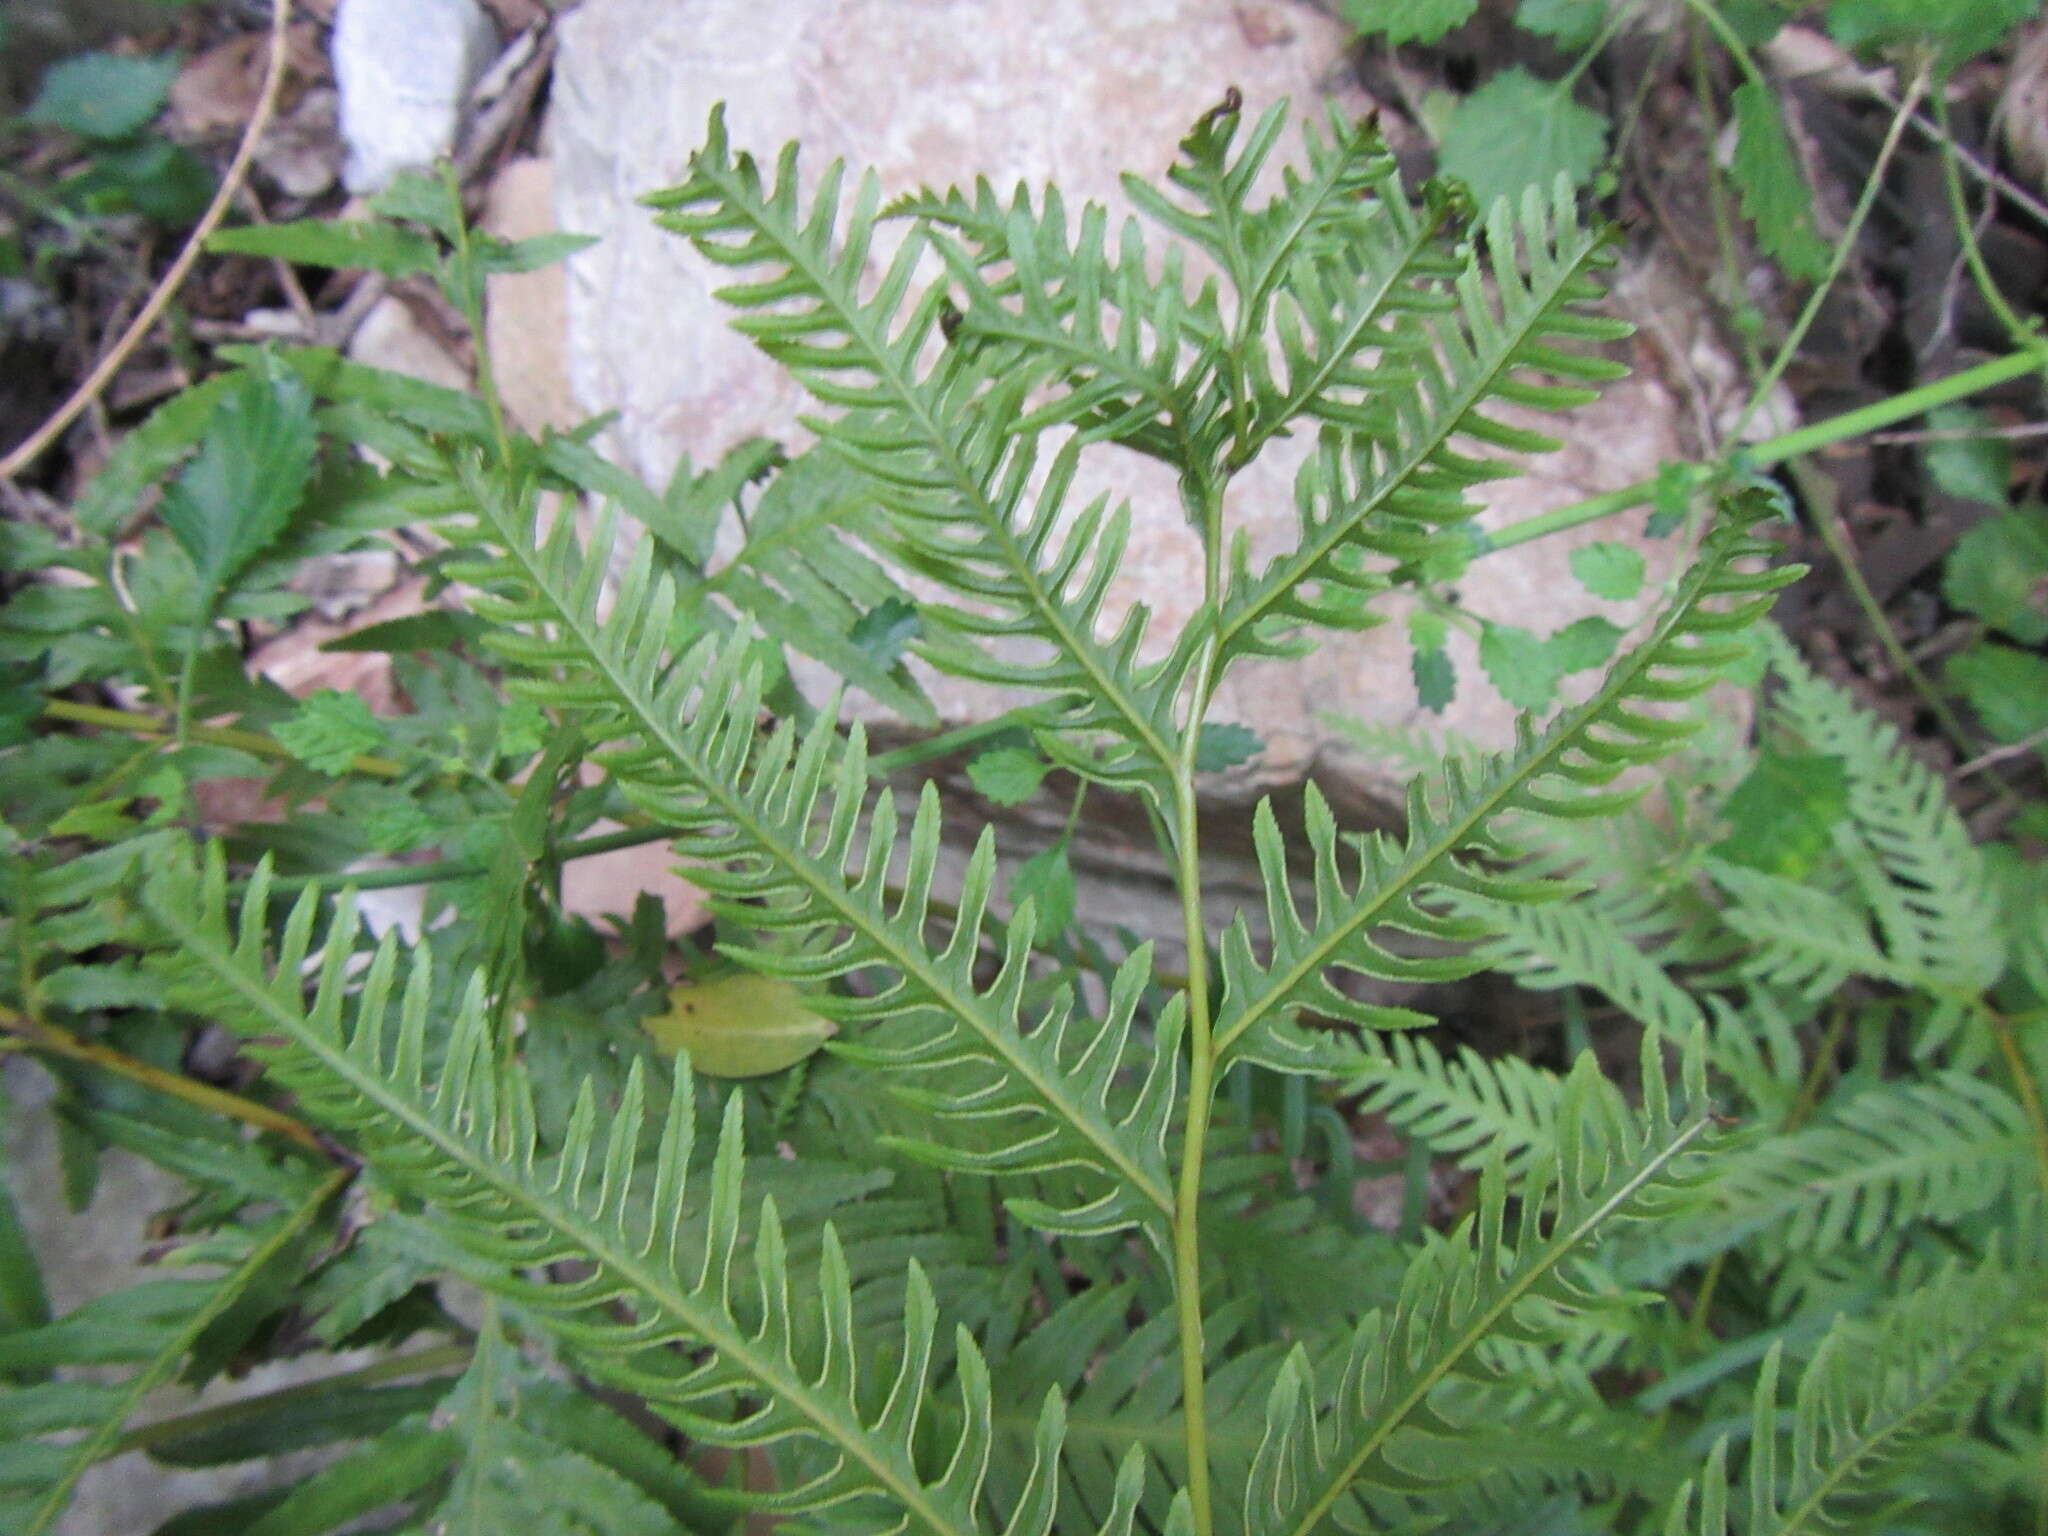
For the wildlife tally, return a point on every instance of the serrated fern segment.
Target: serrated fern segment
(1501, 327)
(664, 1260)
(1470, 1108)
(1563, 771)
(1576, 944)
(1128, 354)
(1611, 1166)
(1882, 1159)
(932, 441)
(785, 831)
(1876, 1396)
(1926, 881)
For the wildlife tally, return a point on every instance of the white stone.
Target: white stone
(939, 91)
(405, 68)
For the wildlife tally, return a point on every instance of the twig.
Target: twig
(26, 452)
(2020, 748)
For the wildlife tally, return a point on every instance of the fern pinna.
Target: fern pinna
(1116, 1282)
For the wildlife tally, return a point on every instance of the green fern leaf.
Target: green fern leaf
(1401, 885)
(1394, 476)
(1481, 1283)
(1876, 1396)
(785, 831)
(1881, 1159)
(663, 1258)
(932, 442)
(156, 1326)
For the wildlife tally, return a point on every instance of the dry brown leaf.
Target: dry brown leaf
(217, 90)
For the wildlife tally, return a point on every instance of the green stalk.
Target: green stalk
(1874, 417)
(1187, 1201)
(254, 742)
(1187, 1244)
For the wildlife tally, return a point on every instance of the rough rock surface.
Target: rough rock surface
(405, 68)
(935, 92)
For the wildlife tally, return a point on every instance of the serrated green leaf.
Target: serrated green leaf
(418, 197)
(330, 730)
(1960, 29)
(1408, 21)
(365, 244)
(1783, 814)
(237, 496)
(1436, 678)
(530, 255)
(1671, 498)
(1225, 744)
(389, 1468)
(438, 629)
(1046, 880)
(104, 95)
(1519, 664)
(522, 729)
(1609, 570)
(1999, 572)
(1974, 468)
(886, 630)
(740, 1026)
(1583, 644)
(1571, 24)
(1008, 775)
(1775, 197)
(1518, 131)
(2007, 688)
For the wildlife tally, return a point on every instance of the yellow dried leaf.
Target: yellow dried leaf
(739, 1026)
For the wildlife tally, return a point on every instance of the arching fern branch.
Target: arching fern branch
(1877, 1396)
(1433, 376)
(933, 439)
(788, 825)
(661, 1306)
(1563, 771)
(1611, 1166)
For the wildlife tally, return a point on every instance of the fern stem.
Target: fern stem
(36, 1035)
(1187, 1239)
(138, 724)
(2023, 1084)
(1874, 417)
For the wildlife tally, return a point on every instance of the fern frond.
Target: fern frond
(1478, 1284)
(1576, 944)
(1560, 772)
(1399, 475)
(1129, 355)
(1877, 1396)
(155, 1326)
(933, 442)
(659, 1260)
(1881, 1159)
(1933, 899)
(787, 825)
(1804, 938)
(1470, 1109)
